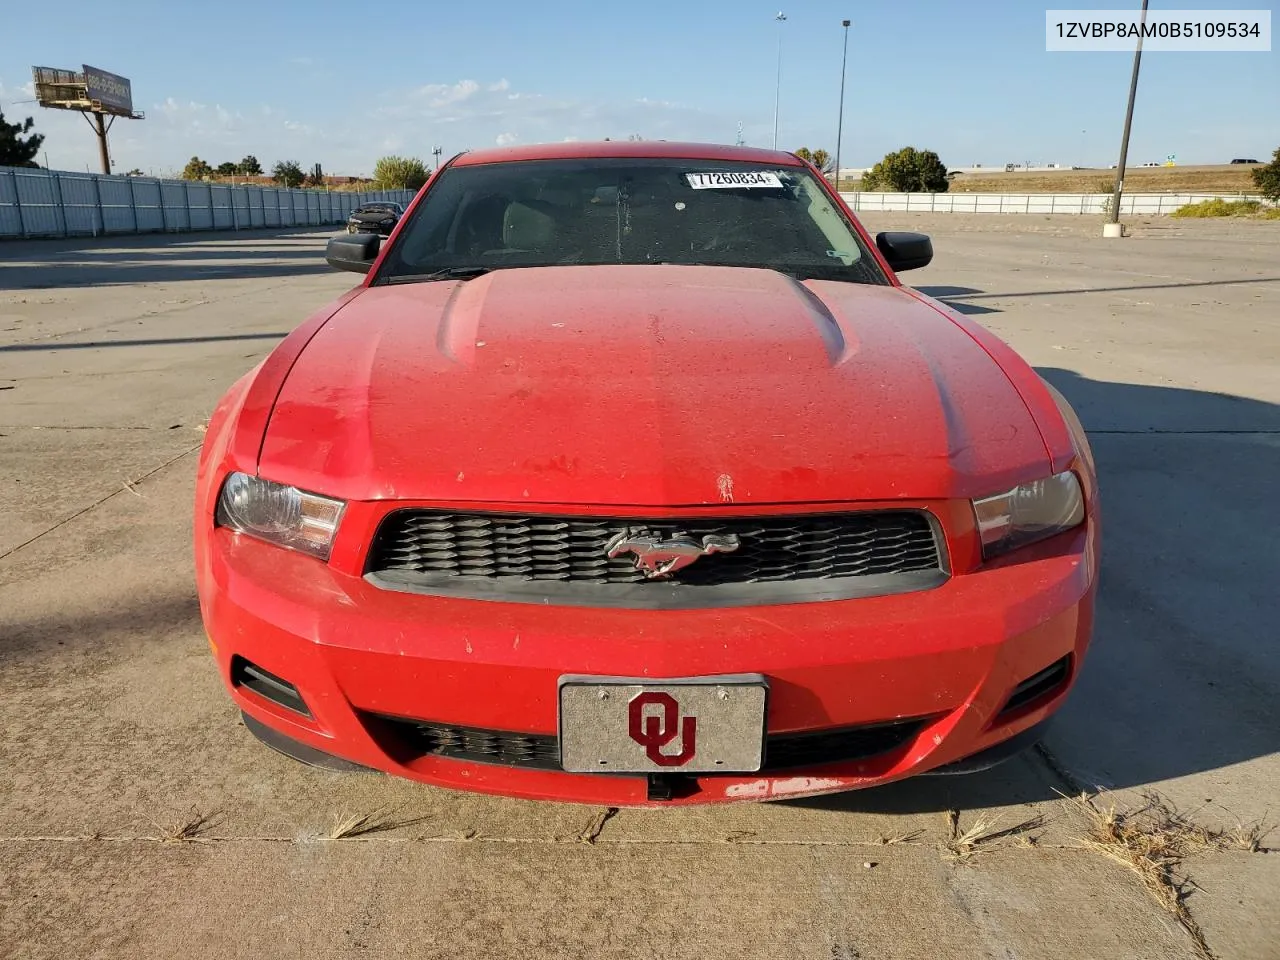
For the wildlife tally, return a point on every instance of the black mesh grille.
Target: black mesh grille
(810, 749)
(435, 548)
(1048, 680)
(409, 739)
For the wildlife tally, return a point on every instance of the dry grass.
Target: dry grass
(1228, 208)
(962, 845)
(591, 832)
(347, 826)
(896, 838)
(1153, 840)
(186, 830)
(1228, 179)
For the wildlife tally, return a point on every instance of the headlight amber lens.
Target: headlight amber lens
(1030, 512)
(279, 514)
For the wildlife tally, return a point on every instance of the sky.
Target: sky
(344, 83)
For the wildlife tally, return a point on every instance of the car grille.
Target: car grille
(565, 559)
(407, 740)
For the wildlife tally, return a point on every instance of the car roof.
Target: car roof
(649, 149)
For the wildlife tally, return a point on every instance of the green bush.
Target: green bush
(1267, 179)
(400, 173)
(1218, 207)
(908, 171)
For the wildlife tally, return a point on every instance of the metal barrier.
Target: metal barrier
(53, 203)
(1078, 203)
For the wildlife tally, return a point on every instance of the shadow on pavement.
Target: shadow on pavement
(1182, 674)
(48, 345)
(163, 258)
(956, 299)
(961, 299)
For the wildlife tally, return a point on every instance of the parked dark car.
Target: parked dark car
(1238, 160)
(380, 217)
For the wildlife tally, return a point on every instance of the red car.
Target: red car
(632, 475)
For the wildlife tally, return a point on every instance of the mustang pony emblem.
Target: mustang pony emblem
(657, 558)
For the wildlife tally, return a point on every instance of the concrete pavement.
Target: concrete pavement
(138, 819)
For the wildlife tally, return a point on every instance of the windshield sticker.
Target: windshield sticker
(733, 180)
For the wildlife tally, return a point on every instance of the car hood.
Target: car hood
(647, 386)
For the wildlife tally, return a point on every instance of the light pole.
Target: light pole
(1112, 228)
(435, 152)
(840, 122)
(777, 93)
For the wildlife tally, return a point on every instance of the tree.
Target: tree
(228, 169)
(316, 177)
(287, 173)
(819, 158)
(908, 171)
(400, 173)
(135, 172)
(17, 150)
(249, 167)
(1267, 179)
(196, 169)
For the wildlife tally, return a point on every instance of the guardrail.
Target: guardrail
(1078, 203)
(53, 203)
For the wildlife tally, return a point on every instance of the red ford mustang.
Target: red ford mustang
(632, 475)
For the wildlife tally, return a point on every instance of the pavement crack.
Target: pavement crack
(129, 484)
(468, 837)
(1075, 786)
(46, 426)
(1153, 841)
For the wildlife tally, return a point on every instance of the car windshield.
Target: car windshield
(377, 208)
(538, 213)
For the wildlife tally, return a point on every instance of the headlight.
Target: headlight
(279, 514)
(1028, 513)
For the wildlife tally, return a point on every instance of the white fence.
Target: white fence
(44, 203)
(1130, 203)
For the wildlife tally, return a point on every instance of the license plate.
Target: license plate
(629, 725)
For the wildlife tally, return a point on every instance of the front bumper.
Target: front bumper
(382, 230)
(950, 657)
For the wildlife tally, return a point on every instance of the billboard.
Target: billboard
(93, 90)
(113, 92)
(63, 89)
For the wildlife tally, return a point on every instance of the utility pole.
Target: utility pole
(100, 127)
(777, 93)
(840, 122)
(435, 152)
(1112, 227)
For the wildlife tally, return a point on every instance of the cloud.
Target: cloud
(442, 95)
(459, 115)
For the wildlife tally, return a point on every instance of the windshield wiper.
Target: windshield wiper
(447, 273)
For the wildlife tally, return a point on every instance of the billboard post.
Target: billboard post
(90, 92)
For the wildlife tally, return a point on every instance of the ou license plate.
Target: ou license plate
(628, 725)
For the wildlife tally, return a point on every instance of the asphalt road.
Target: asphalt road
(139, 819)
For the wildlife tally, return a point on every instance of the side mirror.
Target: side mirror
(905, 251)
(353, 251)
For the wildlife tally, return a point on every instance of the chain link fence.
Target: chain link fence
(51, 203)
